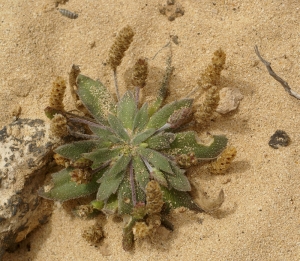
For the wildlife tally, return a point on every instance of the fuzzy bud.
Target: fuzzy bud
(223, 162)
(58, 126)
(81, 176)
(140, 73)
(121, 44)
(180, 117)
(60, 160)
(154, 197)
(84, 211)
(187, 160)
(57, 94)
(141, 230)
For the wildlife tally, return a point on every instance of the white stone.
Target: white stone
(229, 100)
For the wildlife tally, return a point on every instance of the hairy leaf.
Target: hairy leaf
(109, 184)
(160, 141)
(176, 199)
(74, 150)
(101, 156)
(141, 118)
(186, 142)
(65, 189)
(126, 110)
(139, 138)
(111, 179)
(156, 159)
(95, 97)
(178, 181)
(118, 127)
(161, 117)
(140, 171)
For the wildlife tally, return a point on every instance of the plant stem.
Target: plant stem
(137, 95)
(116, 84)
(131, 176)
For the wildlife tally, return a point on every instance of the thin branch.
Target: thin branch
(275, 76)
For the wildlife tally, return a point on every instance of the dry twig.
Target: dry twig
(275, 76)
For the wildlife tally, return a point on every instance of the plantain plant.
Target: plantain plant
(131, 156)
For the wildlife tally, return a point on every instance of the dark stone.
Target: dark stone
(279, 138)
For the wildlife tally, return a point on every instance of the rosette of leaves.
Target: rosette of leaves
(130, 145)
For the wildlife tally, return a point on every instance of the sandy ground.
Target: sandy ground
(259, 219)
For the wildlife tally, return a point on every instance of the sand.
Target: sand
(259, 219)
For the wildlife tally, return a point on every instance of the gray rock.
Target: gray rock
(25, 153)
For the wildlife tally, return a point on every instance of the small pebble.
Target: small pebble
(229, 100)
(279, 138)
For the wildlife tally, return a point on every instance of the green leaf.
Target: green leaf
(109, 184)
(160, 141)
(111, 205)
(111, 179)
(178, 181)
(159, 177)
(95, 97)
(65, 189)
(141, 118)
(106, 135)
(140, 172)
(118, 127)
(102, 132)
(186, 142)
(161, 117)
(139, 138)
(175, 199)
(126, 110)
(156, 159)
(74, 150)
(125, 205)
(101, 156)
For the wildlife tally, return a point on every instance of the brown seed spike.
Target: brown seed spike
(208, 107)
(223, 161)
(153, 197)
(140, 73)
(57, 94)
(211, 75)
(121, 44)
(58, 126)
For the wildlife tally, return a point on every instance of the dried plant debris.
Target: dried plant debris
(279, 138)
(93, 234)
(68, 13)
(16, 112)
(60, 2)
(131, 156)
(285, 85)
(172, 10)
(174, 39)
